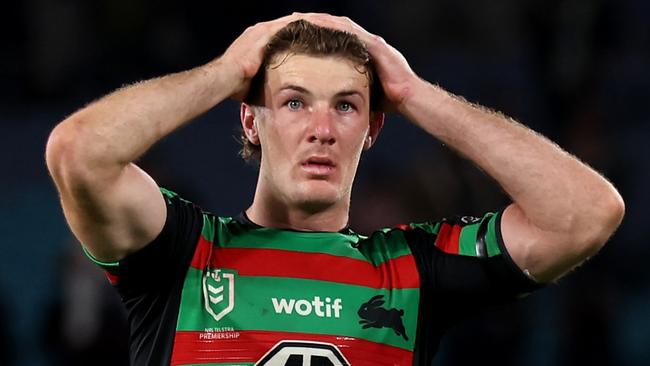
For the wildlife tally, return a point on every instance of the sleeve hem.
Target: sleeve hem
(506, 255)
(97, 261)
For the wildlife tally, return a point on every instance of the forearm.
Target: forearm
(554, 189)
(112, 206)
(563, 211)
(120, 127)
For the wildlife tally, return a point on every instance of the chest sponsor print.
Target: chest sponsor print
(304, 307)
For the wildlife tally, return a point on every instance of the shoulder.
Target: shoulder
(459, 235)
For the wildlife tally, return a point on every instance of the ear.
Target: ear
(376, 297)
(376, 123)
(247, 114)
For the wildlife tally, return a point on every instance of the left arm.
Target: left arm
(563, 211)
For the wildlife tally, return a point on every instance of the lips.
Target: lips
(318, 165)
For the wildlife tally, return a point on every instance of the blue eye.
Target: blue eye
(345, 107)
(294, 104)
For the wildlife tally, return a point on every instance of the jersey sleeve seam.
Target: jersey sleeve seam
(506, 255)
(97, 261)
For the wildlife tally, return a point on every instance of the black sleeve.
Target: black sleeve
(464, 268)
(165, 260)
(150, 282)
(464, 259)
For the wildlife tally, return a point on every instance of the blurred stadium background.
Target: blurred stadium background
(576, 70)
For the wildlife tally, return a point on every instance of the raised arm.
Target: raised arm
(111, 205)
(562, 211)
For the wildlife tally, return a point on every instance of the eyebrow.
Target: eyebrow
(343, 93)
(297, 88)
(346, 93)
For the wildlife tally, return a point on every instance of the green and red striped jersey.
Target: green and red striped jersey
(215, 290)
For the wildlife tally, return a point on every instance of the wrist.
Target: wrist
(226, 77)
(429, 106)
(411, 93)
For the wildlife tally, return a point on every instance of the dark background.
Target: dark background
(577, 71)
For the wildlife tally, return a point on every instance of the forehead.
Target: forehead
(316, 73)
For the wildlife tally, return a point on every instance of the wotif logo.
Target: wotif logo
(304, 307)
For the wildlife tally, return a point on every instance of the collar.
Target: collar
(245, 221)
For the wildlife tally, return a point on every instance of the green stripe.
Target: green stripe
(111, 267)
(467, 240)
(431, 228)
(491, 238)
(208, 227)
(468, 237)
(254, 309)
(467, 245)
(384, 247)
(167, 193)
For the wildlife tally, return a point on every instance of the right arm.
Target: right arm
(113, 207)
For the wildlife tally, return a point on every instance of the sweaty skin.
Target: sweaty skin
(313, 129)
(112, 206)
(562, 210)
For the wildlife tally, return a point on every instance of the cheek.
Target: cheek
(278, 141)
(357, 133)
(355, 149)
(352, 153)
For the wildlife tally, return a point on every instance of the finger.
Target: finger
(278, 23)
(339, 23)
(328, 21)
(286, 18)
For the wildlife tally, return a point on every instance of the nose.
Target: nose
(321, 128)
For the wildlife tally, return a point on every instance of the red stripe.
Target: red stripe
(113, 279)
(250, 346)
(404, 227)
(400, 272)
(448, 238)
(201, 253)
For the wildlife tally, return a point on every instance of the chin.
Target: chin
(317, 195)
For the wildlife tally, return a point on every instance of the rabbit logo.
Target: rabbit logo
(373, 315)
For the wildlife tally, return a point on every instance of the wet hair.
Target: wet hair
(302, 37)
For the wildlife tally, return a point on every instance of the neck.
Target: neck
(270, 212)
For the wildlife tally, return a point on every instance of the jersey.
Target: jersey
(213, 290)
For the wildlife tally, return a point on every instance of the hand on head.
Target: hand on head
(247, 53)
(393, 70)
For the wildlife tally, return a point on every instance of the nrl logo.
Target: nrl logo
(219, 292)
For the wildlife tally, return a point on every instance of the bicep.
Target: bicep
(545, 255)
(115, 217)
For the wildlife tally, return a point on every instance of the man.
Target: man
(287, 281)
